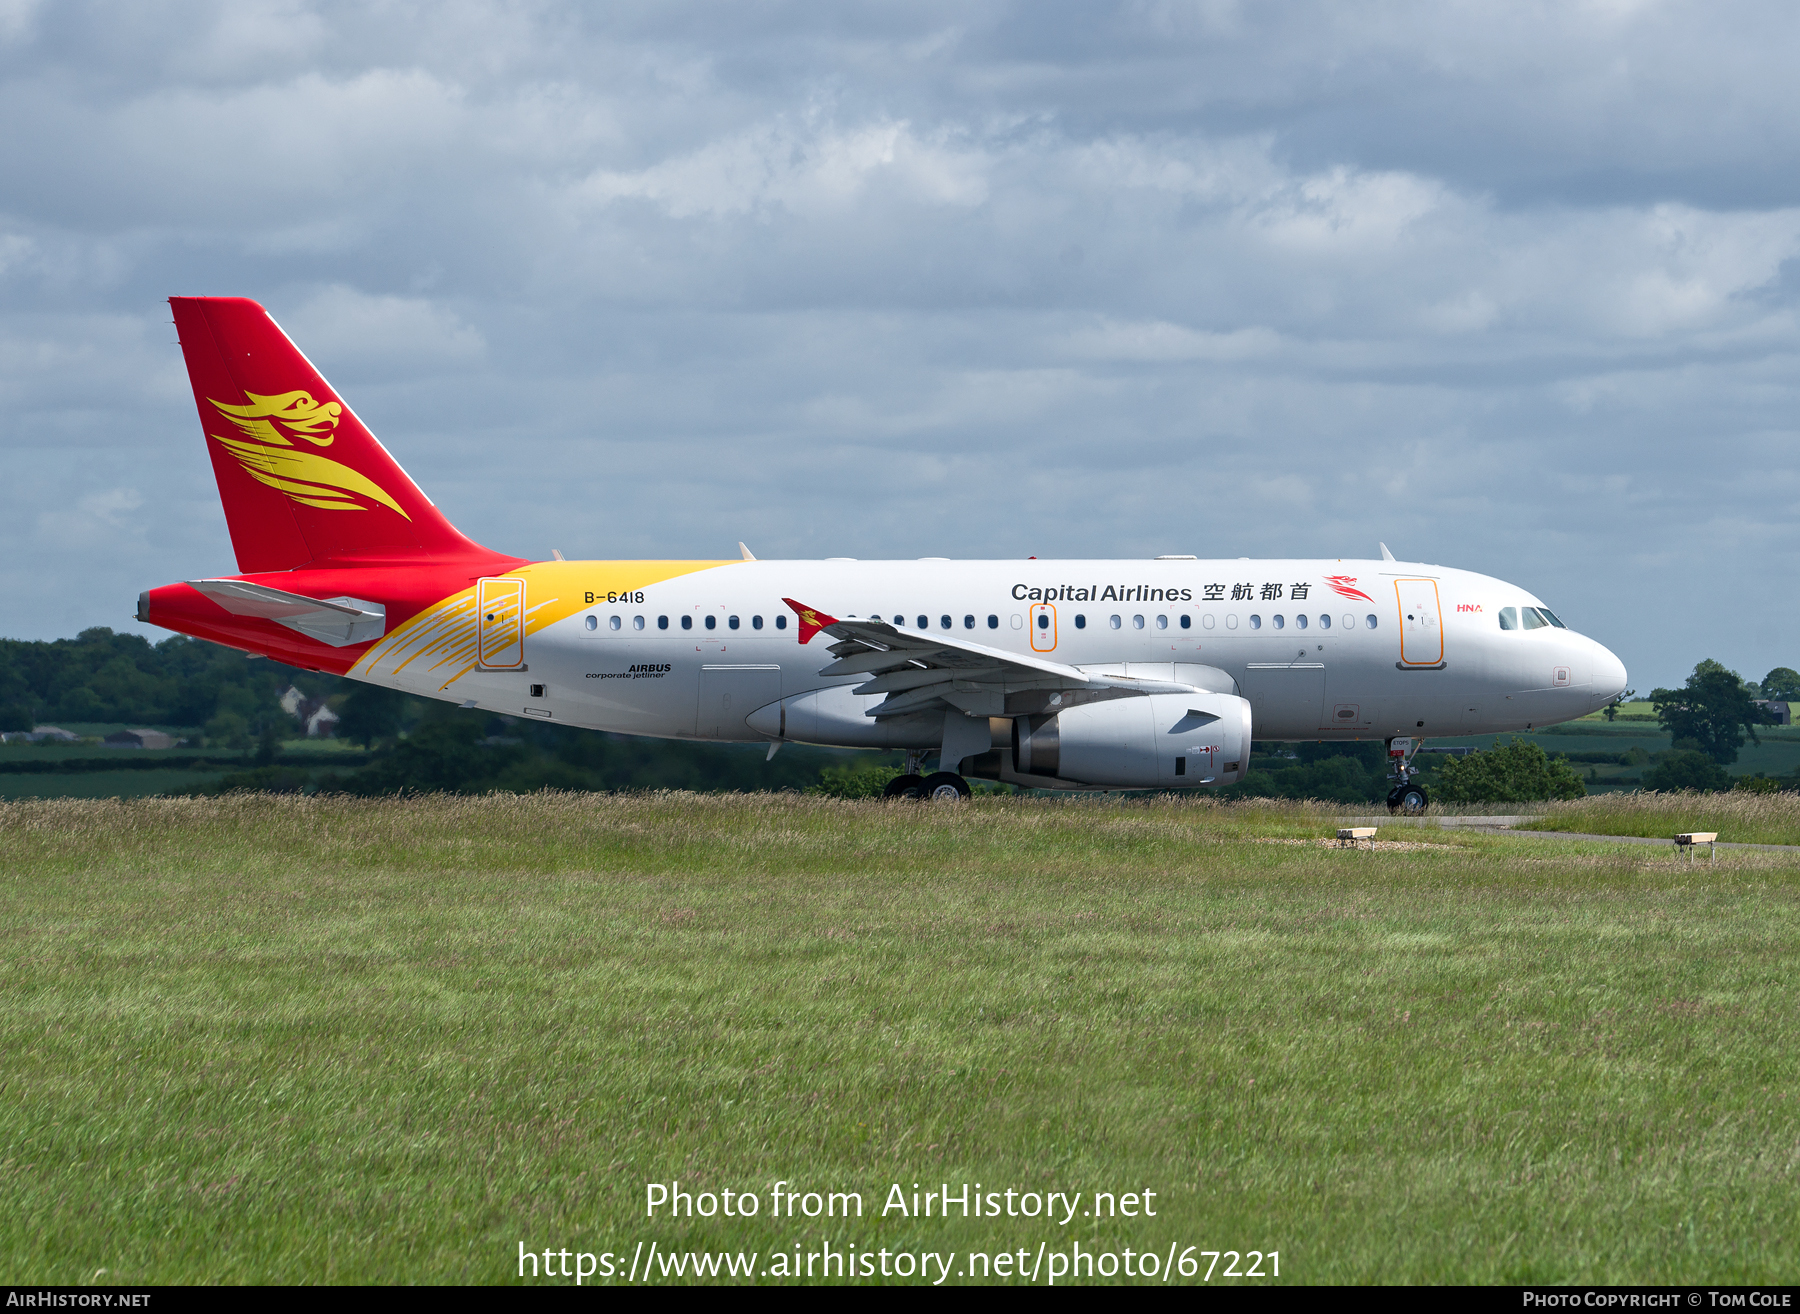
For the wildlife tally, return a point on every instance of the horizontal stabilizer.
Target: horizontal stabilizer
(339, 622)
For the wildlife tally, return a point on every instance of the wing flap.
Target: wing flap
(919, 670)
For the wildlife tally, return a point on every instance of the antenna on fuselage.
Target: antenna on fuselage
(746, 552)
(1385, 554)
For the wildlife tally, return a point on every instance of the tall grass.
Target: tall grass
(260, 1039)
(1738, 817)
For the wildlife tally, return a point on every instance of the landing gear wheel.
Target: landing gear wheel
(945, 787)
(1409, 799)
(904, 787)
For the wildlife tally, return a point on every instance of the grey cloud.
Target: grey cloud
(1507, 288)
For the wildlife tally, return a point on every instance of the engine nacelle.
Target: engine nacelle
(1158, 741)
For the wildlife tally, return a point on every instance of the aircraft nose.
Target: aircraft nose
(1609, 675)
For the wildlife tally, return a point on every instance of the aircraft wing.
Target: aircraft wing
(921, 671)
(339, 622)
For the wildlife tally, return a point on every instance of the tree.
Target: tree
(855, 780)
(370, 713)
(1686, 769)
(1515, 772)
(1713, 709)
(228, 730)
(1782, 684)
(1611, 710)
(1335, 773)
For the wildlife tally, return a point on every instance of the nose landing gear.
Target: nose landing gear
(1407, 796)
(1408, 799)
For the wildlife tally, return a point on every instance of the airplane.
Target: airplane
(1059, 675)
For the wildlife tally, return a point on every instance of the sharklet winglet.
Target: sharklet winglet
(812, 620)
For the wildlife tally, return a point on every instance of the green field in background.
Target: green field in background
(1777, 755)
(268, 1039)
(101, 784)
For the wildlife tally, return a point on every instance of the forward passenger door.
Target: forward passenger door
(1421, 623)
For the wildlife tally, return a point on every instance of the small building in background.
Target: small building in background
(1782, 713)
(38, 734)
(319, 720)
(140, 739)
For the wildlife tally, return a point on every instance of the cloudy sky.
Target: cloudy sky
(1511, 288)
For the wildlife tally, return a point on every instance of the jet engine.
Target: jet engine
(1155, 741)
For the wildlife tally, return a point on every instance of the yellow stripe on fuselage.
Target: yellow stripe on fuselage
(439, 642)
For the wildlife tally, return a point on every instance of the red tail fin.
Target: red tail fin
(303, 482)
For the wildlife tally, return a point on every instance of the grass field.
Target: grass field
(1738, 818)
(257, 1039)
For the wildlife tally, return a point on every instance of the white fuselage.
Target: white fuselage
(714, 653)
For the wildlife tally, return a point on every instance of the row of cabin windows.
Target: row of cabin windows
(687, 622)
(1535, 618)
(1301, 622)
(944, 622)
(1256, 622)
(1116, 622)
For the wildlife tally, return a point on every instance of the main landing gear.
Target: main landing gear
(939, 786)
(1407, 796)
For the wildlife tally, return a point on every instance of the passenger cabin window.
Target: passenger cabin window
(1080, 621)
(993, 622)
(1349, 622)
(1043, 620)
(637, 622)
(1137, 622)
(1533, 619)
(1324, 622)
(1279, 622)
(1187, 622)
(662, 622)
(613, 623)
(899, 620)
(1299, 622)
(968, 622)
(1114, 621)
(1370, 621)
(1509, 618)
(944, 622)
(687, 622)
(1162, 622)
(712, 622)
(924, 622)
(756, 622)
(1255, 622)
(781, 622)
(593, 622)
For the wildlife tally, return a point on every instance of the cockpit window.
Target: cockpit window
(1551, 617)
(1509, 618)
(1534, 619)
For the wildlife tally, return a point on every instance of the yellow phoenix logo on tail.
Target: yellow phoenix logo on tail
(269, 455)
